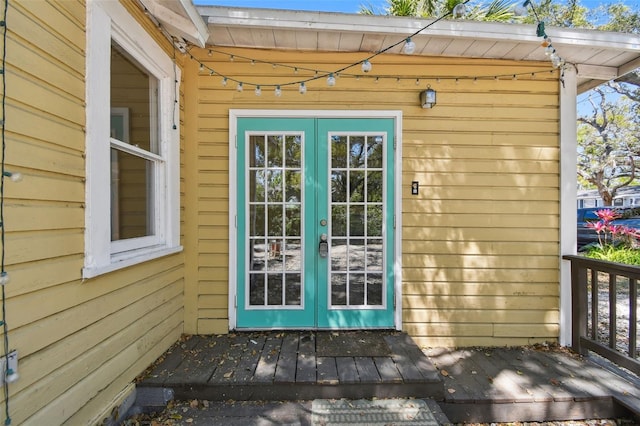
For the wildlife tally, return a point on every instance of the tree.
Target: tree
(496, 10)
(608, 145)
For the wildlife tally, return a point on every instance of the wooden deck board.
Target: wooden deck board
(306, 363)
(347, 371)
(327, 371)
(266, 369)
(172, 360)
(248, 363)
(463, 382)
(286, 366)
(191, 368)
(367, 370)
(387, 369)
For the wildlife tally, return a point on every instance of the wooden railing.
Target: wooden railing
(598, 288)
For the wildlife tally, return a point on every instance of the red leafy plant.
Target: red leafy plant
(610, 234)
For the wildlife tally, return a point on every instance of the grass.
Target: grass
(620, 254)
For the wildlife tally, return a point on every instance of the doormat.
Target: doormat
(339, 344)
(388, 412)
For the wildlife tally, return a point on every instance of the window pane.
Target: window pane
(133, 88)
(131, 196)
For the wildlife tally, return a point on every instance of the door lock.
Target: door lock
(323, 248)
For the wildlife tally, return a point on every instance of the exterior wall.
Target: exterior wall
(480, 242)
(80, 343)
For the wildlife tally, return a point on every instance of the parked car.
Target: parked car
(629, 217)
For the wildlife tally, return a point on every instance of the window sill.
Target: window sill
(127, 259)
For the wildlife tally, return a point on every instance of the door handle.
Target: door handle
(323, 247)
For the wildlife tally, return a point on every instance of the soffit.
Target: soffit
(598, 56)
(180, 18)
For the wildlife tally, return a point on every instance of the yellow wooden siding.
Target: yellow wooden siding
(80, 343)
(480, 241)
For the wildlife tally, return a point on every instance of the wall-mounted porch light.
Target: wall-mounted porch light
(428, 98)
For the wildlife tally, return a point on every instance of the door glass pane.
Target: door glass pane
(356, 220)
(274, 289)
(293, 151)
(275, 220)
(338, 152)
(293, 293)
(256, 289)
(274, 151)
(356, 289)
(357, 152)
(357, 214)
(339, 254)
(374, 289)
(338, 289)
(374, 152)
(338, 221)
(356, 255)
(339, 186)
(374, 255)
(357, 186)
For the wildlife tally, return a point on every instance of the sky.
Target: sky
(346, 6)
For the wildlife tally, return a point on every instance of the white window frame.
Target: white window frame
(109, 21)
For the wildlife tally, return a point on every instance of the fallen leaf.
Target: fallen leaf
(193, 403)
(519, 372)
(554, 382)
(189, 420)
(490, 379)
(444, 373)
(228, 375)
(451, 390)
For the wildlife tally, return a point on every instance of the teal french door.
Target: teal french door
(315, 233)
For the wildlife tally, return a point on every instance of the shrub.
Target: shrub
(616, 243)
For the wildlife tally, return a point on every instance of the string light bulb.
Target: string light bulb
(366, 66)
(459, 10)
(556, 61)
(520, 10)
(258, 91)
(278, 91)
(224, 81)
(302, 89)
(239, 87)
(14, 176)
(12, 376)
(331, 80)
(409, 46)
(4, 278)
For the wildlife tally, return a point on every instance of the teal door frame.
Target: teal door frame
(312, 309)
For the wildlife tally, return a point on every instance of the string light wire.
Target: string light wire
(342, 72)
(5, 328)
(318, 74)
